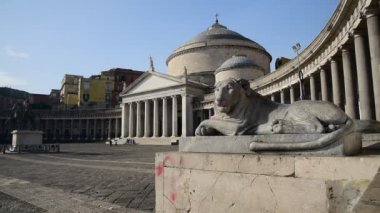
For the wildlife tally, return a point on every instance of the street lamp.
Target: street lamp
(297, 48)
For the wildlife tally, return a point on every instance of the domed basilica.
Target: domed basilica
(157, 106)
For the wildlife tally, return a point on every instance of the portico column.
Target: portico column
(148, 120)
(80, 129)
(94, 136)
(138, 120)
(272, 97)
(374, 50)
(348, 84)
(101, 129)
(187, 116)
(155, 117)
(109, 128)
(71, 129)
(174, 117)
(55, 130)
(335, 83)
(282, 96)
(131, 121)
(313, 94)
(323, 85)
(116, 127)
(363, 78)
(291, 94)
(87, 128)
(164, 117)
(45, 129)
(124, 120)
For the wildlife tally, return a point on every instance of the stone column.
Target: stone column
(138, 120)
(71, 129)
(102, 128)
(131, 121)
(148, 120)
(363, 78)
(313, 94)
(324, 85)
(80, 129)
(209, 113)
(87, 128)
(187, 116)
(117, 127)
(124, 120)
(272, 97)
(282, 96)
(94, 136)
(335, 83)
(373, 26)
(164, 117)
(55, 130)
(45, 129)
(291, 94)
(348, 84)
(175, 116)
(155, 118)
(109, 128)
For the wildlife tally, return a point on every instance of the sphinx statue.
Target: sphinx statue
(241, 111)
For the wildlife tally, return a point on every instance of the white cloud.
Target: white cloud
(7, 80)
(12, 53)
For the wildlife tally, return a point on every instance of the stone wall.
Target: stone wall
(197, 182)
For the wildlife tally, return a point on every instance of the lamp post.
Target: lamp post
(297, 48)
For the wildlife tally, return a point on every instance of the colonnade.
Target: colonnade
(345, 71)
(167, 116)
(80, 129)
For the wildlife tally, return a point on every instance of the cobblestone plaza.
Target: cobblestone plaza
(82, 178)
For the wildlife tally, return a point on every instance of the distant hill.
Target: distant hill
(14, 93)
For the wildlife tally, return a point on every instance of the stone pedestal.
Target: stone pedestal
(26, 137)
(209, 182)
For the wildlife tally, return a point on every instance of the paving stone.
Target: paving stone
(121, 176)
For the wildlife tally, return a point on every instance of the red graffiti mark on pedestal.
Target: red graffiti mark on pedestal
(173, 196)
(159, 169)
(167, 159)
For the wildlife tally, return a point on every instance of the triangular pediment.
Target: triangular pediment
(151, 81)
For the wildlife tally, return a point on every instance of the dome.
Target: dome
(207, 51)
(237, 61)
(238, 67)
(218, 31)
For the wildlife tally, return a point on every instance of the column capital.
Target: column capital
(147, 100)
(356, 33)
(164, 98)
(371, 11)
(173, 96)
(344, 49)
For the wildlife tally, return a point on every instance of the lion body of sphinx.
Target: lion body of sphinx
(245, 112)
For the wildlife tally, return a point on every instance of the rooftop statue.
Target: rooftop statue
(241, 111)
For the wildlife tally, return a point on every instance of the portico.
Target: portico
(159, 106)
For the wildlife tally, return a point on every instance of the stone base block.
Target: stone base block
(26, 137)
(209, 182)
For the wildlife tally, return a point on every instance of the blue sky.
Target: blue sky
(41, 40)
